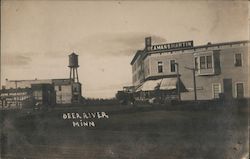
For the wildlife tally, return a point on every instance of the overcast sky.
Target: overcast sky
(38, 36)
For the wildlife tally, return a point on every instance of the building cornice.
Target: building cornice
(146, 53)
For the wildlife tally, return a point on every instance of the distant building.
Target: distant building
(43, 94)
(66, 91)
(44, 91)
(15, 98)
(221, 70)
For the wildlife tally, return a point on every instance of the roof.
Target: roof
(139, 52)
(73, 54)
(12, 90)
(62, 81)
(29, 80)
(220, 44)
(41, 86)
(201, 46)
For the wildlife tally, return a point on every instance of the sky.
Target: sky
(38, 36)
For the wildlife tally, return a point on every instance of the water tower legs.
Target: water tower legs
(74, 73)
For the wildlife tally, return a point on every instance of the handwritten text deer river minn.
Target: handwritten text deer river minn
(82, 119)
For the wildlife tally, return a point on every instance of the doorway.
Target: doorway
(227, 86)
(239, 90)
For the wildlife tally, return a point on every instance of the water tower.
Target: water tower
(73, 65)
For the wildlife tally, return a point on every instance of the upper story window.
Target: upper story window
(209, 61)
(172, 66)
(238, 60)
(202, 62)
(206, 62)
(160, 67)
(60, 88)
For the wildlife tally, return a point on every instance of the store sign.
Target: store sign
(172, 46)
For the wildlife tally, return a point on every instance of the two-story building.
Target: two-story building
(183, 70)
(66, 90)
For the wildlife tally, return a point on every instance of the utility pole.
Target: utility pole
(194, 80)
(17, 104)
(178, 84)
(16, 93)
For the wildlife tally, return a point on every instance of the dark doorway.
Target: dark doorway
(239, 90)
(228, 91)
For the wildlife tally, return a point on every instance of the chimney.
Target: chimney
(148, 43)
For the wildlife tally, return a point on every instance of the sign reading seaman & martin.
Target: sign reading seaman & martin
(172, 46)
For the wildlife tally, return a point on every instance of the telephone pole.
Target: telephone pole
(178, 78)
(194, 80)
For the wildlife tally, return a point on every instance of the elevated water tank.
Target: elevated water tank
(73, 60)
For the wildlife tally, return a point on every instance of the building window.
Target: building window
(216, 90)
(239, 90)
(172, 65)
(205, 62)
(38, 95)
(209, 61)
(238, 60)
(196, 63)
(60, 88)
(160, 67)
(202, 62)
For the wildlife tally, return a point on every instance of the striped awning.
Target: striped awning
(168, 83)
(149, 85)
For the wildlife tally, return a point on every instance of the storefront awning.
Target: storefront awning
(149, 85)
(168, 83)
